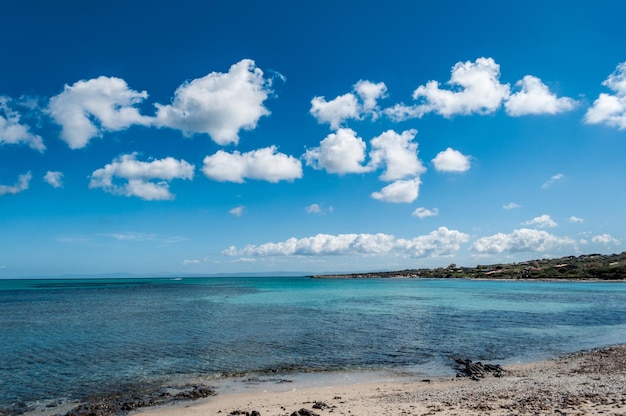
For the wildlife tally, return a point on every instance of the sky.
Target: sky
(196, 137)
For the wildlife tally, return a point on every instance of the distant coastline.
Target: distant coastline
(611, 267)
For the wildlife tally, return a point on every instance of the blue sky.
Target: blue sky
(211, 137)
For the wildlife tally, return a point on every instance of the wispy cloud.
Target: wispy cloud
(13, 131)
(511, 205)
(605, 239)
(542, 221)
(22, 184)
(54, 179)
(575, 219)
(422, 212)
(237, 211)
(553, 179)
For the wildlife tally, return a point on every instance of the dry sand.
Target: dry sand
(586, 383)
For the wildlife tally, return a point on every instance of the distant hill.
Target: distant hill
(585, 267)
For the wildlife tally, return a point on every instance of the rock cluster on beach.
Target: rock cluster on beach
(119, 405)
(476, 371)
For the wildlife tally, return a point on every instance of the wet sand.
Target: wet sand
(585, 383)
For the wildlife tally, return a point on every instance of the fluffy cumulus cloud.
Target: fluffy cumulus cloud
(398, 153)
(356, 105)
(422, 212)
(542, 221)
(605, 239)
(451, 160)
(22, 184)
(147, 180)
(86, 109)
(441, 242)
(402, 191)
(263, 164)
(475, 88)
(13, 131)
(522, 240)
(610, 109)
(219, 104)
(340, 152)
(536, 98)
(54, 179)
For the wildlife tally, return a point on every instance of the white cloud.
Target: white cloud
(441, 242)
(237, 211)
(319, 209)
(542, 221)
(605, 239)
(336, 111)
(348, 106)
(536, 98)
(611, 109)
(87, 108)
(12, 131)
(475, 86)
(313, 209)
(138, 175)
(138, 237)
(402, 112)
(402, 191)
(262, 164)
(451, 160)
(522, 240)
(21, 185)
(131, 236)
(511, 205)
(369, 93)
(398, 153)
(575, 219)
(422, 212)
(555, 178)
(219, 104)
(191, 262)
(54, 179)
(341, 152)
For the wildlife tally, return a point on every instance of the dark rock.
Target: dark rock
(320, 405)
(119, 405)
(304, 412)
(476, 371)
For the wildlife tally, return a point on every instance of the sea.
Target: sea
(67, 341)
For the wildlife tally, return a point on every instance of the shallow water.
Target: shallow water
(73, 339)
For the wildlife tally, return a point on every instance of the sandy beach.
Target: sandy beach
(585, 383)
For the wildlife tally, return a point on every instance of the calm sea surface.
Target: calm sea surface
(72, 339)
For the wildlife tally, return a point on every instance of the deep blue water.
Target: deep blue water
(72, 339)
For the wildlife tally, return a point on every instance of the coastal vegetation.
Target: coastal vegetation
(584, 267)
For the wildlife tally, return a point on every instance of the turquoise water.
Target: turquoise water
(75, 339)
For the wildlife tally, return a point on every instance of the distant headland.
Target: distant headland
(584, 267)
